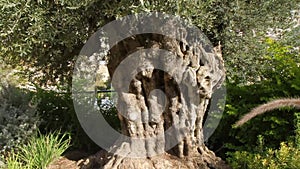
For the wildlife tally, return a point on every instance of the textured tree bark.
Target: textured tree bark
(154, 103)
(159, 110)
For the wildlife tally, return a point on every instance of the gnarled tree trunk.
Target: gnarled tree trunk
(160, 103)
(162, 100)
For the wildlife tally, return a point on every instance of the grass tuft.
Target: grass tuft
(39, 152)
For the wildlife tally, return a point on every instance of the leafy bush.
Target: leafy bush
(281, 79)
(57, 113)
(39, 152)
(18, 117)
(286, 157)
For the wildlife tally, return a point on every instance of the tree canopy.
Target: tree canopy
(45, 36)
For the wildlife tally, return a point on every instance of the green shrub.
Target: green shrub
(39, 152)
(281, 79)
(286, 157)
(18, 117)
(57, 113)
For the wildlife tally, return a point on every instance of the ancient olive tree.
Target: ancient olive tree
(164, 76)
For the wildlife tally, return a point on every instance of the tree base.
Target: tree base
(206, 159)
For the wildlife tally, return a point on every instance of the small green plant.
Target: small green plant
(13, 162)
(286, 157)
(39, 152)
(18, 117)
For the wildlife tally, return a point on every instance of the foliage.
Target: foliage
(286, 157)
(9, 76)
(12, 162)
(281, 79)
(57, 113)
(248, 23)
(297, 131)
(39, 152)
(18, 117)
(43, 37)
